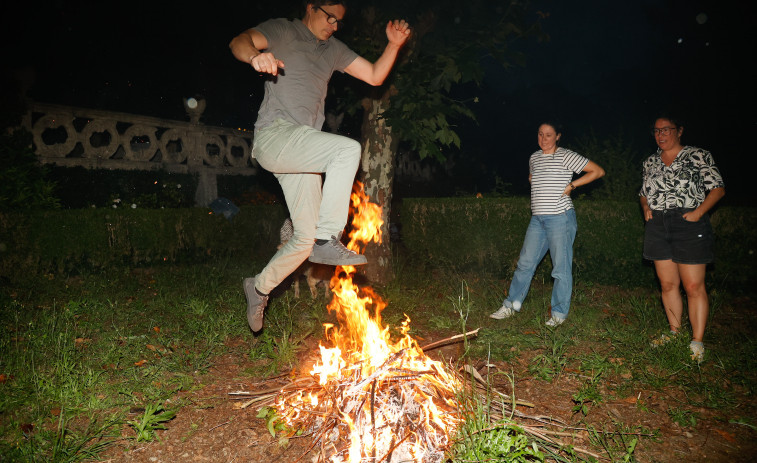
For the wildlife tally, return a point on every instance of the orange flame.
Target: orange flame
(365, 358)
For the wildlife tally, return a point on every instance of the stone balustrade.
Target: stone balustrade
(68, 136)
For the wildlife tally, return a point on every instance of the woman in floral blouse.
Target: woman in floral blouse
(680, 185)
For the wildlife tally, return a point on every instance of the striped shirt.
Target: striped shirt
(550, 174)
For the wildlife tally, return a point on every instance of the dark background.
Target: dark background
(609, 67)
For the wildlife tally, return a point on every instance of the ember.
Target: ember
(369, 398)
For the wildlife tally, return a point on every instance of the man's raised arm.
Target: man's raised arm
(397, 32)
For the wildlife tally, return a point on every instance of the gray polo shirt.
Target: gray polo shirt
(298, 93)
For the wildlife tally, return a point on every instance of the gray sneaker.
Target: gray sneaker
(333, 252)
(255, 305)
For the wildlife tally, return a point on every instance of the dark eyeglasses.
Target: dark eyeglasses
(332, 19)
(664, 130)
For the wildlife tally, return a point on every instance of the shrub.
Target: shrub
(23, 182)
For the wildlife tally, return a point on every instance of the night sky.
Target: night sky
(609, 66)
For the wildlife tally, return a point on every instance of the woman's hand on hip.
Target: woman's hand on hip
(647, 214)
(692, 216)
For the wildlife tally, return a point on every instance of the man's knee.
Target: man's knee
(351, 150)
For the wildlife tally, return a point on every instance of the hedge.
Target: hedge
(481, 235)
(70, 241)
(485, 235)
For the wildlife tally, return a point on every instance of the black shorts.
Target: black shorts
(667, 235)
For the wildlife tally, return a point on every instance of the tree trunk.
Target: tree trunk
(377, 175)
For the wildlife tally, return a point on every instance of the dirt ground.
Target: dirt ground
(213, 428)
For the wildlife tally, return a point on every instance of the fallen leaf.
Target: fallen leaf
(631, 399)
(725, 435)
(27, 428)
(156, 329)
(55, 411)
(3, 378)
(140, 363)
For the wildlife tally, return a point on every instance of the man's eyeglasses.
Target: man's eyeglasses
(664, 130)
(331, 19)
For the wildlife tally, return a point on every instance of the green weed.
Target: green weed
(685, 418)
(587, 395)
(65, 443)
(551, 362)
(153, 418)
(480, 437)
(620, 443)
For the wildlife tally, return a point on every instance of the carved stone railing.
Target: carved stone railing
(68, 136)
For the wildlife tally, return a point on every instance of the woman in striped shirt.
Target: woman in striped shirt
(553, 223)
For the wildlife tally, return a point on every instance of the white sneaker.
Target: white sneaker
(554, 321)
(503, 312)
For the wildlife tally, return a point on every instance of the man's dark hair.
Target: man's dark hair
(319, 3)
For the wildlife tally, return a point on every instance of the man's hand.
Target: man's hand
(397, 32)
(267, 63)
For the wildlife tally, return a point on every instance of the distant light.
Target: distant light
(680, 40)
(702, 18)
(191, 103)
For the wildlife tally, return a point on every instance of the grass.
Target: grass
(78, 354)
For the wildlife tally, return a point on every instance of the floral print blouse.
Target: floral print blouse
(684, 183)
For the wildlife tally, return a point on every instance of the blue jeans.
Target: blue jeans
(553, 233)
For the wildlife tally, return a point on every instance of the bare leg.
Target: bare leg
(670, 282)
(696, 296)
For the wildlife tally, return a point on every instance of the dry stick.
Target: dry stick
(443, 342)
(477, 376)
(558, 442)
(388, 456)
(640, 434)
(291, 383)
(312, 444)
(394, 447)
(219, 425)
(379, 371)
(373, 417)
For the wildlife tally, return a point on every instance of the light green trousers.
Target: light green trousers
(297, 155)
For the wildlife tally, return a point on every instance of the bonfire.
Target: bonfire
(369, 398)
